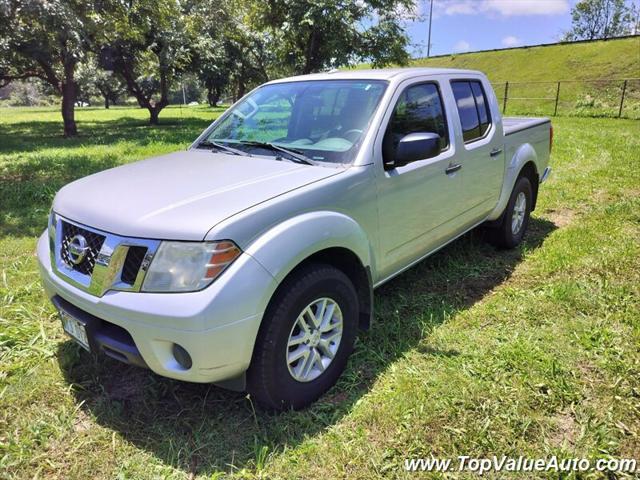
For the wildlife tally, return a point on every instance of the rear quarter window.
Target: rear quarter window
(473, 109)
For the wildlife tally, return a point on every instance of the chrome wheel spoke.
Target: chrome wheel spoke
(297, 340)
(320, 313)
(328, 320)
(302, 321)
(325, 346)
(318, 360)
(307, 363)
(310, 321)
(333, 336)
(301, 352)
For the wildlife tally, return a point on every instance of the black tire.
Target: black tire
(503, 236)
(269, 379)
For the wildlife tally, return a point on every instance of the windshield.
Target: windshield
(324, 120)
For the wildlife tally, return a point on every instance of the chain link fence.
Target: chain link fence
(585, 98)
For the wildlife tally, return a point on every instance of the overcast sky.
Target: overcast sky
(469, 25)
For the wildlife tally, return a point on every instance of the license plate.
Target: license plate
(75, 329)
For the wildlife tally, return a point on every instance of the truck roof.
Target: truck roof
(378, 74)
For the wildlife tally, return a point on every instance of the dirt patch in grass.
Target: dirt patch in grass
(566, 430)
(560, 217)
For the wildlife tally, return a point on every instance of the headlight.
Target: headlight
(188, 266)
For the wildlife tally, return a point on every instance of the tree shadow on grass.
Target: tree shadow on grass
(29, 136)
(202, 429)
(27, 189)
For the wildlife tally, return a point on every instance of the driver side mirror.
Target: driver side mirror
(415, 146)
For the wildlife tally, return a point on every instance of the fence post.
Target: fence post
(555, 109)
(624, 90)
(506, 93)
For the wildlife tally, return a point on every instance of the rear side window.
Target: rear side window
(419, 109)
(472, 108)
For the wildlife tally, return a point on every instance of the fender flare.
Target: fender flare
(283, 247)
(523, 155)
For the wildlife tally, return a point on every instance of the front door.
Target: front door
(418, 203)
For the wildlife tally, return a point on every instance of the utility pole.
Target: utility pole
(429, 40)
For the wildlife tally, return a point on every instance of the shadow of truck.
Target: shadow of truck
(202, 429)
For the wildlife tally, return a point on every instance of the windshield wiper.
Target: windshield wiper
(293, 155)
(220, 146)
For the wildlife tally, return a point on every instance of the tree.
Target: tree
(600, 19)
(93, 81)
(227, 51)
(45, 40)
(148, 44)
(315, 35)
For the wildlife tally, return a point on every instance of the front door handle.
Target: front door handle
(495, 152)
(453, 168)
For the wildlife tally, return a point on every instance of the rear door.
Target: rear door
(418, 203)
(481, 149)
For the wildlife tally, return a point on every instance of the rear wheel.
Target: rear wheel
(306, 338)
(515, 219)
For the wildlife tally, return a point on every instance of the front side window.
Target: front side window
(323, 119)
(419, 109)
(472, 109)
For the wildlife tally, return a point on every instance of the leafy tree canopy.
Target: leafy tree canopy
(46, 40)
(595, 19)
(315, 35)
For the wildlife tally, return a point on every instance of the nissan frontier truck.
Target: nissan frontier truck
(250, 260)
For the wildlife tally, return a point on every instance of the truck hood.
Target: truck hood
(179, 196)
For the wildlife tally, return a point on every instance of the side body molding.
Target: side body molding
(283, 247)
(525, 153)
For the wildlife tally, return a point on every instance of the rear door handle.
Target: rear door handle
(453, 168)
(495, 152)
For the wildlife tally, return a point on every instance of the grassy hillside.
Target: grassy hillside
(533, 74)
(611, 59)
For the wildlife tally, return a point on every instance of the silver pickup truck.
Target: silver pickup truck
(250, 259)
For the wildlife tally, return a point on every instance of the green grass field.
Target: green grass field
(475, 351)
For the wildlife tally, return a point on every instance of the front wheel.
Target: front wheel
(515, 220)
(306, 338)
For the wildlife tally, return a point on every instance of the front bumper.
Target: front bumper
(216, 326)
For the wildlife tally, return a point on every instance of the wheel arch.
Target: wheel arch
(523, 162)
(322, 237)
(347, 262)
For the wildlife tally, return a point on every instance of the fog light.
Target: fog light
(182, 356)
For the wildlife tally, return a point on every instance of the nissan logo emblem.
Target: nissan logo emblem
(77, 249)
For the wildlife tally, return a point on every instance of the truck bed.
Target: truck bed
(516, 124)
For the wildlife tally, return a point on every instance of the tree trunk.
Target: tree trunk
(213, 96)
(68, 108)
(154, 112)
(106, 102)
(241, 89)
(69, 92)
(311, 63)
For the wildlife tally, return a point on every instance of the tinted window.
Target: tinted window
(472, 108)
(481, 104)
(419, 109)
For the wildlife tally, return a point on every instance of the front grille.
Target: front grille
(132, 264)
(106, 261)
(94, 242)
